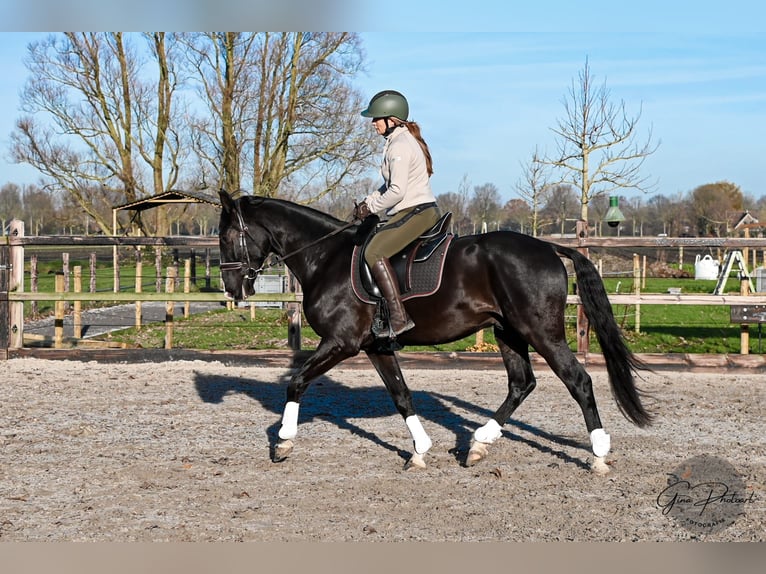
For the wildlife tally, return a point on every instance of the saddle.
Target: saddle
(418, 266)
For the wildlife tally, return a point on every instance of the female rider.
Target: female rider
(405, 195)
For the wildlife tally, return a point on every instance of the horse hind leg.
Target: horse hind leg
(577, 380)
(521, 382)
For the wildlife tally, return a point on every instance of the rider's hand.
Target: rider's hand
(361, 211)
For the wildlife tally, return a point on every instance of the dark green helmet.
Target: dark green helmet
(386, 104)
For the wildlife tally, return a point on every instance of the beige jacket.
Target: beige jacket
(405, 175)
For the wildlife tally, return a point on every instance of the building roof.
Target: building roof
(747, 221)
(172, 196)
(164, 198)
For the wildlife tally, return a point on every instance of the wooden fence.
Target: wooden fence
(13, 295)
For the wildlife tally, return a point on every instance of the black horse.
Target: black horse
(515, 283)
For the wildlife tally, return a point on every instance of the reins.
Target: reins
(251, 273)
(281, 258)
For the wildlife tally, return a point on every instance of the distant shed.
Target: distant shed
(746, 222)
(165, 198)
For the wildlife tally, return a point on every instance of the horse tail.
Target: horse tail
(621, 363)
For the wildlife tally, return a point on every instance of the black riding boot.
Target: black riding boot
(399, 320)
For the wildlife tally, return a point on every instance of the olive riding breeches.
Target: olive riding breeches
(399, 231)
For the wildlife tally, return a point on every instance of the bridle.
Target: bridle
(248, 271)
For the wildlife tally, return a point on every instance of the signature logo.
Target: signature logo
(705, 495)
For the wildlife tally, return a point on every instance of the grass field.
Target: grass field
(663, 328)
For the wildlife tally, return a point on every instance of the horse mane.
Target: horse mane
(305, 211)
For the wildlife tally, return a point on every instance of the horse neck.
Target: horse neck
(293, 227)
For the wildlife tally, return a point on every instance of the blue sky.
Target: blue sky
(486, 98)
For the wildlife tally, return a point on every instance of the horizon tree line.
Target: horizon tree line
(109, 118)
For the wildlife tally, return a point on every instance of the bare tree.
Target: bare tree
(485, 205)
(598, 151)
(635, 211)
(457, 203)
(220, 64)
(91, 123)
(280, 111)
(532, 187)
(710, 204)
(597, 208)
(519, 216)
(39, 210)
(10, 205)
(339, 202)
(561, 205)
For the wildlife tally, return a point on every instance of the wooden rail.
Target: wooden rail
(74, 241)
(12, 294)
(131, 297)
(692, 299)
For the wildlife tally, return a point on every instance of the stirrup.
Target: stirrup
(385, 345)
(381, 327)
(381, 322)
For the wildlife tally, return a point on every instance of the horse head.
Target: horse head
(244, 248)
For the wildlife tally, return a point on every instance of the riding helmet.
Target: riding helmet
(388, 103)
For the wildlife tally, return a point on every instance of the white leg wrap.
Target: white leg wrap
(601, 442)
(489, 433)
(418, 433)
(289, 427)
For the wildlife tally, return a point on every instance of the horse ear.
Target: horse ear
(227, 202)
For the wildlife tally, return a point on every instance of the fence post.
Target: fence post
(158, 268)
(92, 270)
(207, 268)
(65, 269)
(139, 281)
(77, 318)
(479, 339)
(16, 283)
(116, 270)
(58, 321)
(33, 283)
(293, 315)
(643, 272)
(170, 285)
(294, 326)
(744, 329)
(187, 286)
(5, 319)
(583, 326)
(637, 289)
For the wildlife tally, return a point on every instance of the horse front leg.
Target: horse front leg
(387, 366)
(327, 355)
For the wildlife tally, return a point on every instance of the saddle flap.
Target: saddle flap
(405, 263)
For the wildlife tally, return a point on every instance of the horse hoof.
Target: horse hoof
(478, 451)
(416, 462)
(599, 466)
(282, 450)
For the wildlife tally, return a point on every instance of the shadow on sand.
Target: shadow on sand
(332, 401)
